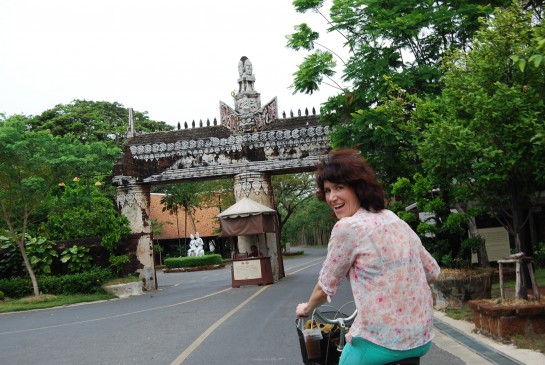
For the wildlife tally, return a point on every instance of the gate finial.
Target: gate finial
(248, 115)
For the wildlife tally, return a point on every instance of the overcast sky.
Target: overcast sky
(174, 59)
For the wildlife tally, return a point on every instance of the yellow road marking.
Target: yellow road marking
(184, 355)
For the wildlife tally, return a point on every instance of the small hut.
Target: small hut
(249, 218)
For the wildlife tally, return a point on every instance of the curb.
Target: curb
(463, 333)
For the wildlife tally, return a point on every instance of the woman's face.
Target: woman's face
(341, 198)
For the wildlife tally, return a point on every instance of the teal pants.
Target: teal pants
(363, 352)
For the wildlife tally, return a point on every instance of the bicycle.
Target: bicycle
(333, 336)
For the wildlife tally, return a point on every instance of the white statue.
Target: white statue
(212, 246)
(246, 75)
(192, 246)
(199, 245)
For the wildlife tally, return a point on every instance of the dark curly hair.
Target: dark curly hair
(349, 168)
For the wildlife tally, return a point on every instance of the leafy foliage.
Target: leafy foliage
(78, 259)
(91, 121)
(480, 141)
(81, 210)
(291, 191)
(442, 230)
(195, 261)
(89, 282)
(118, 262)
(403, 41)
(40, 251)
(310, 224)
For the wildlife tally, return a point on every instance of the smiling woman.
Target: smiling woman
(387, 266)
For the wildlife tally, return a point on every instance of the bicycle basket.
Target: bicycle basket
(329, 354)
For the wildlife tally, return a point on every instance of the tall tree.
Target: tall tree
(388, 43)
(487, 119)
(93, 121)
(31, 164)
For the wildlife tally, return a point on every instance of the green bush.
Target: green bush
(118, 262)
(1, 295)
(16, 287)
(78, 258)
(89, 282)
(539, 254)
(40, 252)
(207, 260)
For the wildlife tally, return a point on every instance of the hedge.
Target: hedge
(193, 261)
(89, 282)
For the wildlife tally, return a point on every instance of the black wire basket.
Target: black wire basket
(329, 354)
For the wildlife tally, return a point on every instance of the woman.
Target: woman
(384, 260)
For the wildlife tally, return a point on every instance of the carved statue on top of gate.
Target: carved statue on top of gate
(248, 115)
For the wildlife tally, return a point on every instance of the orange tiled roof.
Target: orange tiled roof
(205, 220)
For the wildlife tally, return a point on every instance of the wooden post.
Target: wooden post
(502, 294)
(517, 282)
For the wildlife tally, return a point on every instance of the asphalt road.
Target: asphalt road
(194, 318)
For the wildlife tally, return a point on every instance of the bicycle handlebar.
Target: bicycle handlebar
(340, 321)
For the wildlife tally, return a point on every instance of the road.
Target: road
(193, 318)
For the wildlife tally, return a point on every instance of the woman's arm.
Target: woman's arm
(431, 268)
(317, 298)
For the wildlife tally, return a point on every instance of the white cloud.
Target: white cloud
(174, 59)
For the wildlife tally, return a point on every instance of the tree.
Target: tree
(32, 163)
(405, 41)
(310, 224)
(486, 120)
(290, 192)
(94, 121)
(81, 210)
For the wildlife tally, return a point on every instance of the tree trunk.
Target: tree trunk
(482, 254)
(517, 212)
(21, 244)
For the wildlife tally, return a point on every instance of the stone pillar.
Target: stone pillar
(134, 203)
(257, 186)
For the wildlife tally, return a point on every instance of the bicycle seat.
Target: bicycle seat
(409, 361)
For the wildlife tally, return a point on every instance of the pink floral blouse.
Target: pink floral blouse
(388, 269)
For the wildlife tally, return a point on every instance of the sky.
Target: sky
(174, 59)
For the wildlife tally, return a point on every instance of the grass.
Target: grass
(535, 343)
(124, 280)
(48, 301)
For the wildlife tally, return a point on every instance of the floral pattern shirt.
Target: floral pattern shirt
(389, 271)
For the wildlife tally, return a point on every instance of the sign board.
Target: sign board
(246, 269)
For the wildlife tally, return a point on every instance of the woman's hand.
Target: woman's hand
(302, 310)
